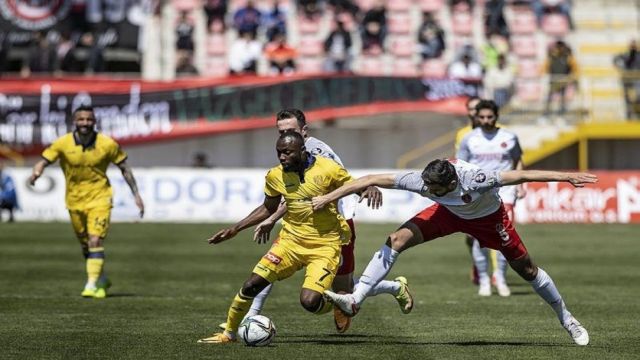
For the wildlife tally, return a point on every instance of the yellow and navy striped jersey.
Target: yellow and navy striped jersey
(85, 168)
(301, 223)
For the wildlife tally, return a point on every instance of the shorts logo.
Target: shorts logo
(275, 259)
(504, 235)
(480, 178)
(466, 198)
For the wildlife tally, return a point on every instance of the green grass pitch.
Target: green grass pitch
(171, 288)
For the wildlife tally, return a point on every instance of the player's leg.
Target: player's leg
(481, 262)
(468, 240)
(321, 267)
(343, 281)
(79, 224)
(97, 228)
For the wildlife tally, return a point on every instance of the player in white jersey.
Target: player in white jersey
(294, 120)
(492, 148)
(467, 201)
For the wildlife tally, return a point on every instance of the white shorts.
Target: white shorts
(508, 194)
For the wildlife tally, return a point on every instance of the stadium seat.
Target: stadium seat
(365, 4)
(399, 5)
(528, 68)
(403, 46)
(370, 65)
(185, 5)
(523, 22)
(404, 66)
(399, 23)
(216, 44)
(528, 90)
(462, 23)
(431, 5)
(434, 68)
(310, 46)
(555, 25)
(216, 67)
(307, 26)
(524, 45)
(310, 65)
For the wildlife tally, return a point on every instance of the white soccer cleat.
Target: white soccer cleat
(484, 289)
(578, 333)
(501, 286)
(345, 302)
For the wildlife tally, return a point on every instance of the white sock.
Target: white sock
(258, 302)
(383, 287)
(501, 271)
(480, 260)
(544, 286)
(377, 269)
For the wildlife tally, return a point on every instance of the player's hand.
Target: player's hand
(222, 235)
(580, 179)
(140, 205)
(263, 231)
(319, 202)
(373, 196)
(33, 178)
(521, 192)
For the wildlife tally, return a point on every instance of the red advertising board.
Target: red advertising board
(614, 199)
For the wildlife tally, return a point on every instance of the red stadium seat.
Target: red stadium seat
(307, 26)
(310, 65)
(431, 5)
(399, 5)
(371, 65)
(310, 46)
(523, 22)
(555, 24)
(365, 4)
(462, 23)
(403, 46)
(524, 45)
(216, 44)
(404, 67)
(434, 68)
(528, 90)
(185, 5)
(216, 67)
(399, 23)
(528, 68)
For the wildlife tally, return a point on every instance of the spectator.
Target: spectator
(5, 48)
(184, 32)
(8, 197)
(184, 65)
(492, 49)
(42, 54)
(280, 55)
(310, 8)
(244, 54)
(345, 6)
(338, 49)
(629, 65)
(466, 68)
(461, 5)
(65, 59)
(247, 18)
(542, 7)
(216, 11)
(430, 37)
(95, 59)
(275, 22)
(561, 67)
(494, 20)
(200, 160)
(374, 28)
(499, 82)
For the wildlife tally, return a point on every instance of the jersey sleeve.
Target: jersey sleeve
(117, 154)
(341, 176)
(52, 152)
(480, 180)
(270, 188)
(410, 181)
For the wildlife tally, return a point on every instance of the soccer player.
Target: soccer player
(307, 239)
(295, 120)
(467, 201)
(492, 148)
(84, 157)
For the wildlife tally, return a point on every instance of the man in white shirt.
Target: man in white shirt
(467, 201)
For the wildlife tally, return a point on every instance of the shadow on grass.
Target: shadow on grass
(355, 339)
(117, 295)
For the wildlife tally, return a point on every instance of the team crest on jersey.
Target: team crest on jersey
(466, 198)
(503, 145)
(316, 151)
(480, 178)
(275, 259)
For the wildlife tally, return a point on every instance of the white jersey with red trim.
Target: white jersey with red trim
(346, 205)
(475, 196)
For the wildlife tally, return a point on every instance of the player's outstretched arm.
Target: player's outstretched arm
(38, 169)
(515, 177)
(268, 207)
(381, 180)
(127, 174)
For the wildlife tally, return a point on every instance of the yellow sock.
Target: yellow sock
(238, 309)
(95, 262)
(325, 308)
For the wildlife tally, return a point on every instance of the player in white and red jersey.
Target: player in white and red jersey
(492, 148)
(294, 120)
(467, 201)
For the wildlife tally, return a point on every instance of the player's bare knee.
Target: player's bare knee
(253, 287)
(311, 301)
(95, 241)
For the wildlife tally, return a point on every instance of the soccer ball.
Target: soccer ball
(257, 330)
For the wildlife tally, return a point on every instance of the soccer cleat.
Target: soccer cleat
(100, 293)
(578, 333)
(217, 338)
(345, 302)
(404, 298)
(104, 284)
(88, 292)
(501, 286)
(340, 318)
(484, 289)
